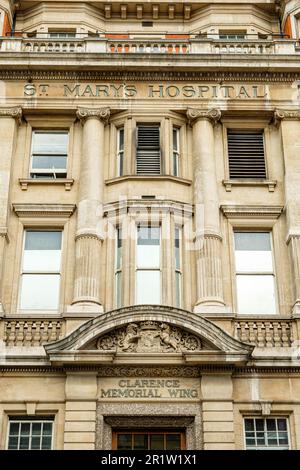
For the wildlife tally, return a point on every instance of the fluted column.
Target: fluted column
(289, 123)
(89, 234)
(208, 241)
(9, 120)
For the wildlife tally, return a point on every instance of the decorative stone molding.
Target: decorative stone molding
(149, 336)
(14, 112)
(266, 408)
(162, 371)
(102, 114)
(4, 233)
(154, 205)
(149, 421)
(194, 115)
(31, 332)
(266, 212)
(265, 333)
(285, 115)
(190, 76)
(25, 182)
(44, 210)
(229, 184)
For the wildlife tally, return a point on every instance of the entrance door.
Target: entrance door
(148, 440)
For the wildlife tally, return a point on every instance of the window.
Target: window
(246, 154)
(148, 149)
(176, 151)
(40, 278)
(118, 268)
(25, 434)
(266, 434)
(120, 156)
(178, 266)
(255, 280)
(148, 265)
(49, 154)
(232, 35)
(143, 440)
(61, 34)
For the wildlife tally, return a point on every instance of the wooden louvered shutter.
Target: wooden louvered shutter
(148, 150)
(246, 154)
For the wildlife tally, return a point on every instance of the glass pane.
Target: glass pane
(249, 425)
(175, 138)
(42, 251)
(121, 139)
(148, 287)
(50, 142)
(119, 289)
(271, 424)
(259, 425)
(178, 288)
(256, 294)
(13, 443)
(14, 429)
(47, 429)
(253, 252)
(124, 442)
(36, 429)
(25, 429)
(148, 247)
(40, 291)
(46, 442)
(119, 249)
(140, 441)
(173, 442)
(175, 164)
(281, 424)
(36, 442)
(47, 162)
(177, 249)
(157, 442)
(24, 442)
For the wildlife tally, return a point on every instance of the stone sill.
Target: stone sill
(175, 179)
(24, 182)
(257, 183)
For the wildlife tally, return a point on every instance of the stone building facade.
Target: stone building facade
(149, 224)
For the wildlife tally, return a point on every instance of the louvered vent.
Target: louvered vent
(246, 154)
(148, 150)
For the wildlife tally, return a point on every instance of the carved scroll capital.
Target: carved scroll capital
(213, 115)
(103, 114)
(14, 112)
(285, 115)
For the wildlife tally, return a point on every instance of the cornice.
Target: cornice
(13, 112)
(260, 77)
(194, 115)
(266, 212)
(140, 205)
(44, 210)
(102, 114)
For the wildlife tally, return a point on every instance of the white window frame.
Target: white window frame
(178, 270)
(46, 171)
(31, 421)
(176, 151)
(234, 35)
(120, 152)
(118, 269)
(266, 418)
(41, 273)
(256, 273)
(61, 34)
(159, 269)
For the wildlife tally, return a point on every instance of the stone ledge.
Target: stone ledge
(44, 210)
(271, 184)
(25, 182)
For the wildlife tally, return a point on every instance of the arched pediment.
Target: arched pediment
(147, 332)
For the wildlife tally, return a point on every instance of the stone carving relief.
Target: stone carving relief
(149, 336)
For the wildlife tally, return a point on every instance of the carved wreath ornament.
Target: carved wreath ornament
(149, 336)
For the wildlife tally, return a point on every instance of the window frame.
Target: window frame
(265, 418)
(178, 271)
(42, 229)
(116, 432)
(256, 273)
(151, 123)
(118, 270)
(32, 170)
(176, 151)
(147, 269)
(31, 420)
(120, 152)
(243, 125)
(235, 33)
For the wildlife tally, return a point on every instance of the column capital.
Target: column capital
(194, 114)
(285, 115)
(14, 112)
(102, 114)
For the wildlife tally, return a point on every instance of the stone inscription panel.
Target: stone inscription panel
(141, 389)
